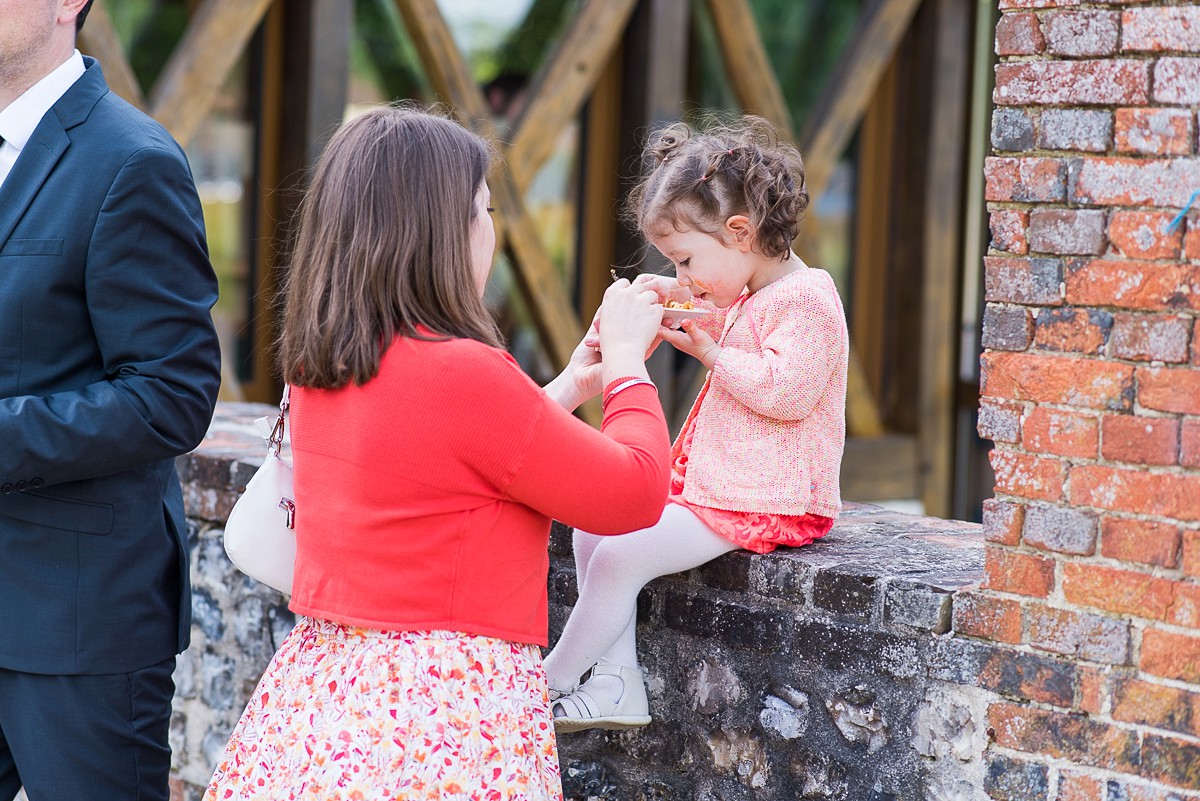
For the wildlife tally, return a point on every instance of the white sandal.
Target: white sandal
(591, 709)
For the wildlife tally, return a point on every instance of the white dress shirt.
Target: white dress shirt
(18, 121)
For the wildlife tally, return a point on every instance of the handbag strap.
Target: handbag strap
(275, 441)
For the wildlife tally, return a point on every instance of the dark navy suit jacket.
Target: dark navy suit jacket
(109, 369)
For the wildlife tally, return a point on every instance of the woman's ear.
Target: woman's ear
(741, 232)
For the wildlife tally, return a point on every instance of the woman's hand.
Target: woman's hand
(628, 320)
(694, 341)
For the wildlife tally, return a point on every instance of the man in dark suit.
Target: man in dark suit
(109, 369)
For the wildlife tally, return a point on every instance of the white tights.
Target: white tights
(611, 570)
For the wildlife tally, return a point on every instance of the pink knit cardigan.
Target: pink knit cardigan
(770, 422)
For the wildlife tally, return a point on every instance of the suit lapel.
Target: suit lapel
(49, 141)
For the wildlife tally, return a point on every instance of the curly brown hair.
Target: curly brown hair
(698, 179)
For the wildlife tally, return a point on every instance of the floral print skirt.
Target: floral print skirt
(352, 714)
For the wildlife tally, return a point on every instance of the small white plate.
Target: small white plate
(677, 316)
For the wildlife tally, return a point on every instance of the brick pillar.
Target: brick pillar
(1091, 394)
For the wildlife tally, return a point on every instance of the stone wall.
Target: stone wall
(826, 672)
(1091, 392)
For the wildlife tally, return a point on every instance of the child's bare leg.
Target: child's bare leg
(602, 622)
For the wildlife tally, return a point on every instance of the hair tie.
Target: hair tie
(731, 151)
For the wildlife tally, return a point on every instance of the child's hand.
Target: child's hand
(694, 341)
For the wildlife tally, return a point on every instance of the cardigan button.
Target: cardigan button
(36, 483)
(7, 489)
(22, 486)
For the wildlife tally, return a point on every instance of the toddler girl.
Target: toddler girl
(756, 464)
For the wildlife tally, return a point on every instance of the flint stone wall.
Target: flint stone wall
(825, 672)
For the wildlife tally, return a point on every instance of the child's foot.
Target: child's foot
(613, 697)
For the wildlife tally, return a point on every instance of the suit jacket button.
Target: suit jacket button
(22, 486)
(7, 489)
(37, 482)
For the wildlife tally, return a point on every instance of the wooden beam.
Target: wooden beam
(555, 317)
(757, 89)
(444, 64)
(942, 251)
(750, 72)
(843, 101)
(563, 84)
(99, 39)
(214, 41)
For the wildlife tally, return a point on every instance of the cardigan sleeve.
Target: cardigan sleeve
(803, 340)
(605, 482)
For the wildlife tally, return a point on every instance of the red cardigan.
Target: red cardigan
(424, 497)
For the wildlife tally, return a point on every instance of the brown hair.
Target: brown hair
(383, 247)
(699, 179)
(83, 12)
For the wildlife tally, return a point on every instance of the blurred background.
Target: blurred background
(888, 100)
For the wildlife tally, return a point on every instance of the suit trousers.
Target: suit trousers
(103, 738)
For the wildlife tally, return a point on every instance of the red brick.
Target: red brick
(1191, 239)
(1067, 231)
(1061, 433)
(1072, 330)
(1000, 422)
(1133, 285)
(1086, 130)
(1191, 553)
(1139, 701)
(1020, 573)
(1185, 610)
(1135, 182)
(1196, 343)
(1087, 383)
(1176, 81)
(1141, 792)
(1060, 529)
(979, 615)
(1090, 637)
(1124, 592)
(1006, 327)
(1073, 786)
(1060, 735)
(1158, 29)
(1008, 230)
(1169, 389)
(1027, 675)
(1035, 281)
(1019, 35)
(1189, 443)
(1143, 235)
(1092, 689)
(1171, 655)
(1082, 33)
(1026, 180)
(1140, 440)
(1072, 83)
(1167, 760)
(1028, 476)
(1002, 521)
(1154, 131)
(1146, 337)
(1140, 541)
(1170, 495)
(1007, 5)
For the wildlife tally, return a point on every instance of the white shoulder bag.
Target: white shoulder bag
(259, 536)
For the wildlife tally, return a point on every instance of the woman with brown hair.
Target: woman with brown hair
(427, 470)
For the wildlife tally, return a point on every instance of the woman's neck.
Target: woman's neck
(771, 271)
